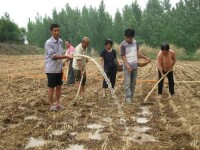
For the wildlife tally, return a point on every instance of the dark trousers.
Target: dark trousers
(111, 73)
(170, 77)
(70, 78)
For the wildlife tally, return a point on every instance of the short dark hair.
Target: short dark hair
(164, 46)
(54, 25)
(108, 41)
(68, 41)
(129, 33)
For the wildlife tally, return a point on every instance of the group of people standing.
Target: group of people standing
(130, 53)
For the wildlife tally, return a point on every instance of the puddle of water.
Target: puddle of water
(116, 101)
(141, 129)
(145, 111)
(140, 138)
(76, 147)
(83, 136)
(33, 118)
(89, 136)
(95, 135)
(142, 120)
(133, 118)
(90, 104)
(58, 132)
(95, 126)
(33, 142)
(13, 125)
(22, 108)
(73, 133)
(107, 119)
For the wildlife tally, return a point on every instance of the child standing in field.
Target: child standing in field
(109, 63)
(130, 54)
(166, 60)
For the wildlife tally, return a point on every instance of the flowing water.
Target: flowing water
(33, 142)
(107, 119)
(33, 118)
(145, 111)
(116, 101)
(76, 147)
(95, 126)
(58, 132)
(142, 120)
(87, 136)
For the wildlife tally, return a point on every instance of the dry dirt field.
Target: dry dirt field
(94, 123)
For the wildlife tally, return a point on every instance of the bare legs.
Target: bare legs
(57, 97)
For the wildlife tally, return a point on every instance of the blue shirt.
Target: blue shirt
(53, 47)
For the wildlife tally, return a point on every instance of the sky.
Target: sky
(21, 10)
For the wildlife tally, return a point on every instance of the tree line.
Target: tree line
(10, 32)
(158, 22)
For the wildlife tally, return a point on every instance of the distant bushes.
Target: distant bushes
(181, 53)
(19, 49)
(10, 32)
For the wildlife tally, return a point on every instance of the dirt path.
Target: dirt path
(27, 123)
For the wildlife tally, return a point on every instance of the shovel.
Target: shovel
(77, 94)
(145, 100)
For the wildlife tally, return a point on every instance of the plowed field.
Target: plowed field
(94, 123)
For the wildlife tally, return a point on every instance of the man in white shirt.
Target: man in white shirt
(79, 63)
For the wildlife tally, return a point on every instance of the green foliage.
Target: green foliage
(118, 28)
(9, 31)
(157, 23)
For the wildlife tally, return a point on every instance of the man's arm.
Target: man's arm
(126, 63)
(123, 50)
(173, 58)
(62, 57)
(159, 64)
(51, 52)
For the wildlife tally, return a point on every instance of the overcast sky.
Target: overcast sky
(21, 10)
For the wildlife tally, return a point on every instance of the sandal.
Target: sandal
(53, 108)
(60, 107)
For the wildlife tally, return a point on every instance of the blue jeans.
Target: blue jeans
(70, 78)
(130, 82)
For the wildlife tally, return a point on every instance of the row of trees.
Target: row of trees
(157, 23)
(10, 32)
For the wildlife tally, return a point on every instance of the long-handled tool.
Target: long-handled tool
(65, 75)
(67, 69)
(145, 100)
(77, 94)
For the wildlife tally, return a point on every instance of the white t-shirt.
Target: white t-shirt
(131, 52)
(79, 50)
